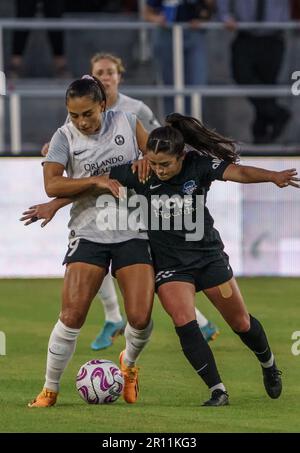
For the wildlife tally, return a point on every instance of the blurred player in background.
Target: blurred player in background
(109, 69)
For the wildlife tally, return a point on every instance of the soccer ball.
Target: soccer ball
(99, 382)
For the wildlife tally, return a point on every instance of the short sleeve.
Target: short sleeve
(123, 173)
(210, 169)
(147, 118)
(58, 149)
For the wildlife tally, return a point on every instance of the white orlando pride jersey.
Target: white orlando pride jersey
(115, 144)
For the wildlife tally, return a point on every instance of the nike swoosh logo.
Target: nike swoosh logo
(154, 187)
(76, 153)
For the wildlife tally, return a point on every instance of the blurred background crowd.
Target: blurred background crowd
(226, 56)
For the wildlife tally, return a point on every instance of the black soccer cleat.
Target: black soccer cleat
(218, 398)
(272, 381)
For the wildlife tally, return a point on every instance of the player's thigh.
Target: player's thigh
(81, 283)
(227, 298)
(136, 283)
(178, 300)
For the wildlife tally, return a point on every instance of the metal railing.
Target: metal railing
(178, 91)
(196, 93)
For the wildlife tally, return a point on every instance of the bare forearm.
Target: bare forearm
(100, 187)
(59, 203)
(246, 175)
(62, 187)
(256, 175)
(93, 191)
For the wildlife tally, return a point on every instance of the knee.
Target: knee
(181, 319)
(242, 324)
(138, 322)
(72, 318)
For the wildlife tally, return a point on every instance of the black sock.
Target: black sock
(256, 340)
(198, 353)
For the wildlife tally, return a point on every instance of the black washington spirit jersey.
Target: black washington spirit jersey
(170, 247)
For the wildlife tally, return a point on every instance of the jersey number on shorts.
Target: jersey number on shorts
(73, 246)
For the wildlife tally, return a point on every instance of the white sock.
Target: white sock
(61, 346)
(220, 386)
(136, 340)
(201, 320)
(269, 363)
(109, 298)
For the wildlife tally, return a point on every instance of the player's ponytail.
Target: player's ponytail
(87, 86)
(207, 141)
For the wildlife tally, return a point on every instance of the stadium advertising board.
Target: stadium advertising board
(259, 223)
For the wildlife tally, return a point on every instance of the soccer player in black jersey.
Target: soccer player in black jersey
(184, 267)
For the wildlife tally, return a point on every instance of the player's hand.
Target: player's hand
(143, 168)
(45, 149)
(106, 184)
(37, 212)
(286, 178)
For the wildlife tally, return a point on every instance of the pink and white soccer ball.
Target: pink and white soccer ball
(99, 382)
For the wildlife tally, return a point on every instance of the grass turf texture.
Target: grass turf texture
(171, 392)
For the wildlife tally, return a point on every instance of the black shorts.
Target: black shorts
(121, 254)
(211, 274)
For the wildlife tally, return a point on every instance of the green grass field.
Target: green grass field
(171, 392)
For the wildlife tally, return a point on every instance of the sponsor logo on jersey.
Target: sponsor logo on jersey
(76, 153)
(119, 140)
(104, 166)
(215, 163)
(189, 187)
(154, 187)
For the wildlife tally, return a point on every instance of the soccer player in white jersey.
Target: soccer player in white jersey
(85, 148)
(109, 69)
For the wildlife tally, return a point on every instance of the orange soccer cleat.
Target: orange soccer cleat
(46, 398)
(131, 382)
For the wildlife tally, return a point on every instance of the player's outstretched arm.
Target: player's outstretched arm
(46, 211)
(246, 175)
